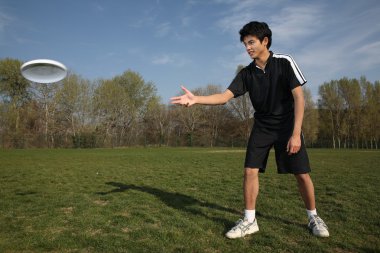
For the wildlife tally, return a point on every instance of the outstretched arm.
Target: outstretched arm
(189, 99)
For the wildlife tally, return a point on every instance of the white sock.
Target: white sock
(250, 215)
(311, 213)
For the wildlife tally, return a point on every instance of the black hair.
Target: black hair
(258, 29)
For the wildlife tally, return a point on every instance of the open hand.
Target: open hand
(187, 99)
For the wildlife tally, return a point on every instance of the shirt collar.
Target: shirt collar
(267, 64)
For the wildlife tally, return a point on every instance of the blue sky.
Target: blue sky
(192, 42)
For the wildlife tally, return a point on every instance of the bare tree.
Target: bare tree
(157, 122)
(74, 105)
(214, 117)
(44, 94)
(189, 119)
(242, 108)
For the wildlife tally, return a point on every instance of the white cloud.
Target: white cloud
(162, 60)
(146, 18)
(5, 20)
(244, 11)
(163, 29)
(186, 21)
(290, 21)
(27, 41)
(176, 60)
(296, 23)
(98, 7)
(347, 46)
(231, 64)
(369, 55)
(233, 23)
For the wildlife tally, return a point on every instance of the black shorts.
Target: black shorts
(260, 143)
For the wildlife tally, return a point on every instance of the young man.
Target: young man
(274, 83)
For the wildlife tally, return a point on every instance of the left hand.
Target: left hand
(294, 144)
(188, 99)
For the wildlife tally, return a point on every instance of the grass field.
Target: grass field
(179, 200)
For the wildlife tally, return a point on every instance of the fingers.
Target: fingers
(294, 145)
(292, 148)
(295, 150)
(175, 100)
(182, 100)
(184, 89)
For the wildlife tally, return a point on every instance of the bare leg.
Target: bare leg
(306, 188)
(248, 225)
(251, 187)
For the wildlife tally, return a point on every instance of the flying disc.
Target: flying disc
(43, 71)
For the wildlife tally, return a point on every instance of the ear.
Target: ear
(265, 42)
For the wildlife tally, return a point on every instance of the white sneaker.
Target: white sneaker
(318, 226)
(242, 228)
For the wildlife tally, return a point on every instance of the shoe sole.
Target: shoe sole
(322, 235)
(255, 231)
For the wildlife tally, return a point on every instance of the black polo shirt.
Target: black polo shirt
(270, 90)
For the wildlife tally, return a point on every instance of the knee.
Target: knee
(303, 178)
(251, 172)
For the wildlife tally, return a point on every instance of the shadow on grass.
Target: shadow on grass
(26, 193)
(177, 201)
(282, 220)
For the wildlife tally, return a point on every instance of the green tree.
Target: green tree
(120, 104)
(349, 90)
(331, 101)
(14, 94)
(13, 89)
(370, 122)
(13, 86)
(310, 122)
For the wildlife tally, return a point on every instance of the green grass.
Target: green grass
(179, 200)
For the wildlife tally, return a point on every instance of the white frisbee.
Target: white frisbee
(43, 71)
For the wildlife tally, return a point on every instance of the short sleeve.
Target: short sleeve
(296, 78)
(237, 86)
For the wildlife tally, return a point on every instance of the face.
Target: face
(254, 47)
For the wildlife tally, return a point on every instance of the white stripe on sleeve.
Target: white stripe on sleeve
(294, 65)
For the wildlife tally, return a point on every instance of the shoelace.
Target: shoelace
(239, 224)
(318, 222)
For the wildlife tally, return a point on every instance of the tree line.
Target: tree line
(126, 111)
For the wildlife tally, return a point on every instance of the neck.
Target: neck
(261, 61)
